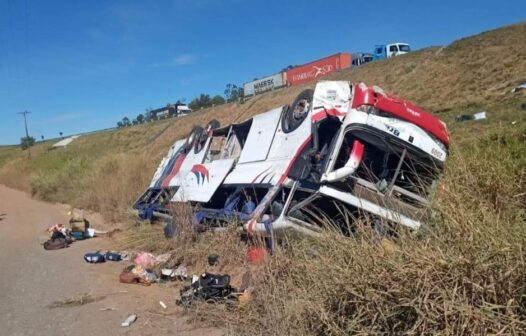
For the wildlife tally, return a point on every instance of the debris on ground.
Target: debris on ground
(145, 260)
(94, 257)
(519, 87)
(135, 274)
(476, 116)
(79, 235)
(256, 255)
(129, 320)
(115, 256)
(208, 287)
(180, 273)
(100, 257)
(59, 237)
(91, 232)
(148, 260)
(162, 304)
(523, 106)
(55, 244)
(213, 259)
(128, 277)
(146, 275)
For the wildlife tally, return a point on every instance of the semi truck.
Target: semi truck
(382, 51)
(360, 58)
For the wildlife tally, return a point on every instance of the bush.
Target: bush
(27, 142)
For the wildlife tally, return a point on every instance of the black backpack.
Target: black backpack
(209, 287)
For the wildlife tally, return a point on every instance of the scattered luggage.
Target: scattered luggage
(128, 277)
(137, 275)
(79, 235)
(56, 244)
(112, 256)
(208, 287)
(94, 258)
(180, 273)
(145, 260)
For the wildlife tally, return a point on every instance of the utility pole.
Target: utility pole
(27, 133)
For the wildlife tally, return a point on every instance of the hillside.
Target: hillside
(472, 73)
(462, 273)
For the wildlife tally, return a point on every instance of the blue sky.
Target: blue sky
(83, 65)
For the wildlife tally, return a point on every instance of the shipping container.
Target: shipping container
(319, 68)
(264, 84)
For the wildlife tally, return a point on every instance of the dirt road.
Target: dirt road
(35, 283)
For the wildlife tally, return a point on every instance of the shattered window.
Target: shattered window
(391, 168)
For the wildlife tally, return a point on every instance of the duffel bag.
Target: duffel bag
(94, 258)
(111, 256)
(55, 244)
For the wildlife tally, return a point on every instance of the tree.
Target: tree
(120, 124)
(27, 142)
(233, 92)
(202, 101)
(140, 118)
(42, 137)
(126, 121)
(60, 134)
(148, 115)
(218, 100)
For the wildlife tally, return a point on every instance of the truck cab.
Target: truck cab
(361, 58)
(382, 51)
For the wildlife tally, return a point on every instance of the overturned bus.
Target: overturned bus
(339, 151)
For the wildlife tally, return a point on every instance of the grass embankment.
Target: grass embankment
(462, 274)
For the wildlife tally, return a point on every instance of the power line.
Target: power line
(27, 133)
(25, 121)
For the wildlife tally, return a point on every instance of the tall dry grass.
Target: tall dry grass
(114, 183)
(463, 273)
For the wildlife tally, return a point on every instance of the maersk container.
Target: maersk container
(264, 84)
(319, 68)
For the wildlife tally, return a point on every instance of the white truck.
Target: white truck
(382, 51)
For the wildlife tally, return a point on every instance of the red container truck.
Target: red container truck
(319, 68)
